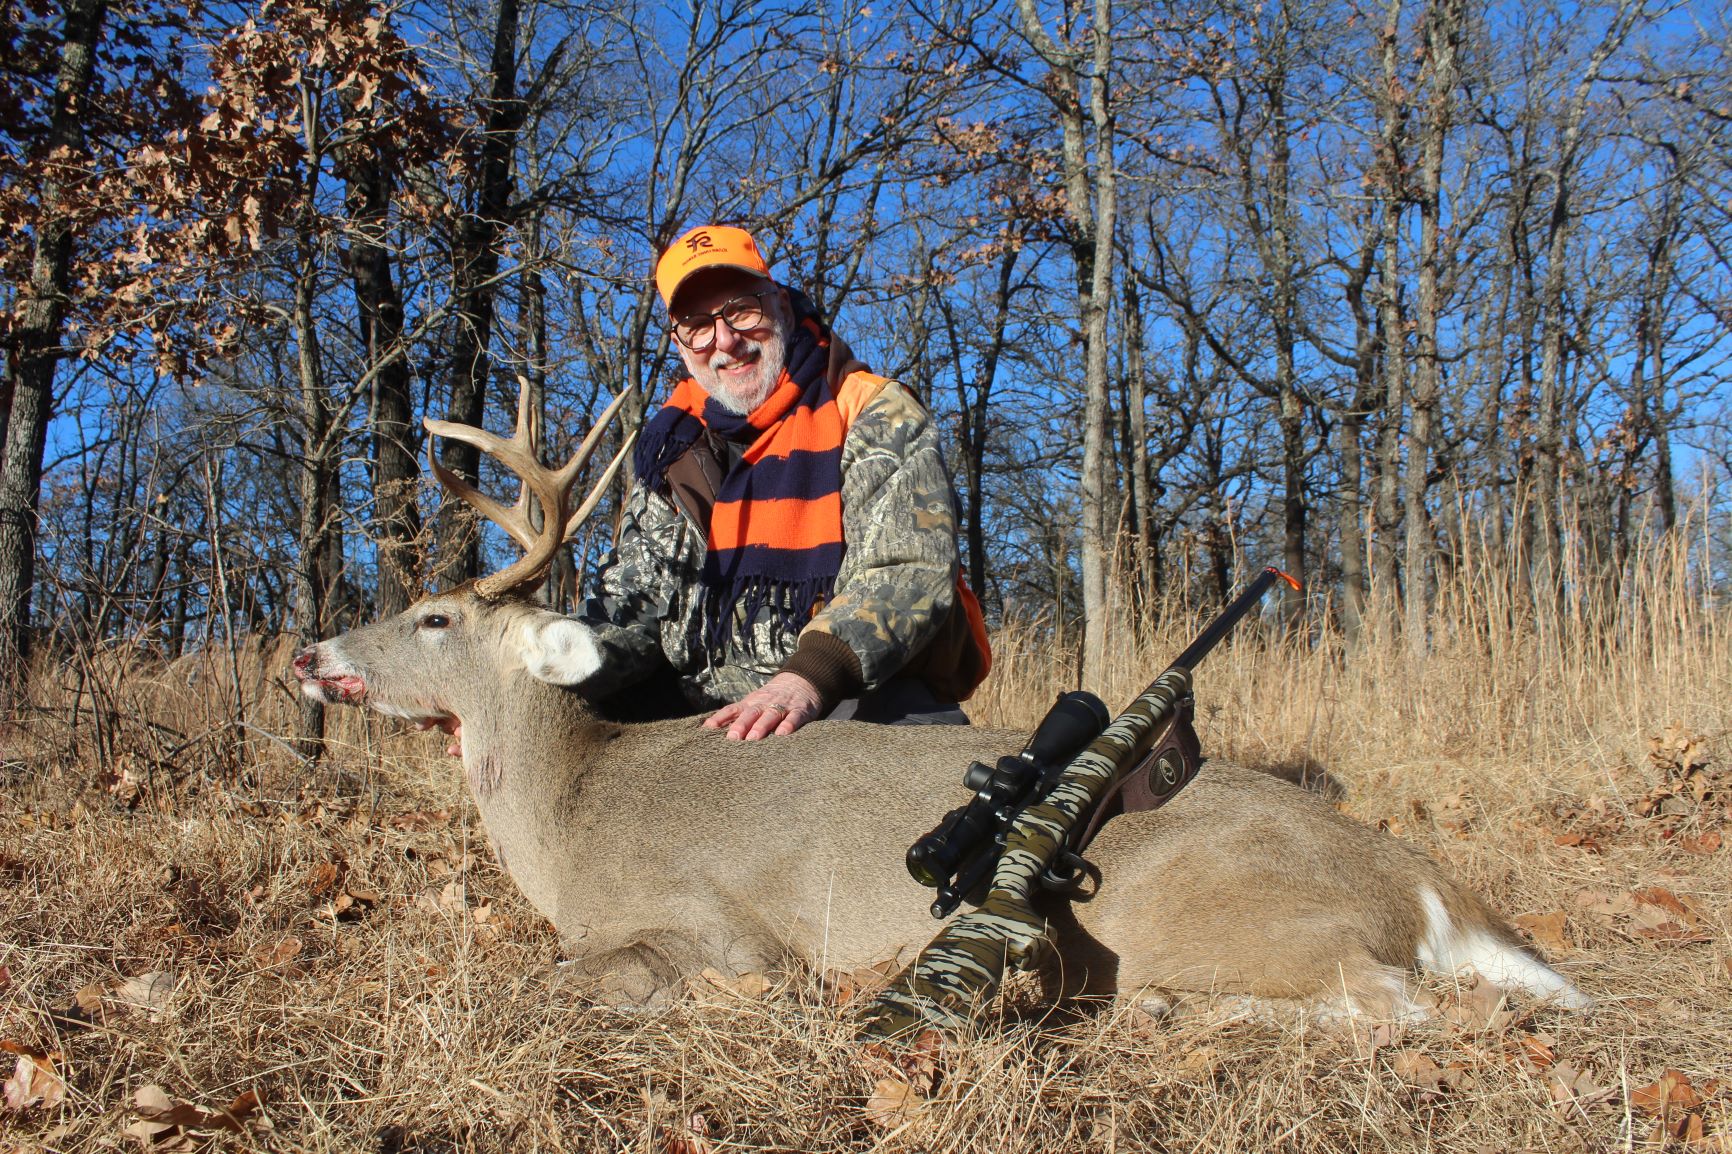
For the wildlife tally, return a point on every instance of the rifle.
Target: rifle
(1028, 824)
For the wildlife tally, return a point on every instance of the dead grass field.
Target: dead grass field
(204, 945)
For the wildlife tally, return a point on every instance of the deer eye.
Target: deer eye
(435, 621)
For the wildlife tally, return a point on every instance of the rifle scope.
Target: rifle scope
(1074, 720)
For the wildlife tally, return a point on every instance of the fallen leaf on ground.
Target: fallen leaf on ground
(1676, 751)
(166, 1123)
(1568, 1085)
(1653, 914)
(419, 820)
(322, 879)
(1479, 1005)
(34, 1080)
(1416, 1069)
(277, 956)
(747, 985)
(1547, 931)
(1663, 916)
(893, 1103)
(1536, 1050)
(842, 986)
(115, 997)
(1707, 843)
(1672, 1090)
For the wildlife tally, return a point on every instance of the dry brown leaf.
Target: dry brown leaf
(1200, 1062)
(893, 1103)
(1479, 1005)
(1675, 751)
(34, 1081)
(1547, 931)
(149, 992)
(1663, 916)
(747, 985)
(1707, 843)
(843, 986)
(1568, 1084)
(1671, 1091)
(277, 956)
(1604, 908)
(322, 879)
(1416, 1069)
(419, 820)
(1536, 1050)
(163, 1119)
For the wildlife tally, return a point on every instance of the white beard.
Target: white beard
(748, 394)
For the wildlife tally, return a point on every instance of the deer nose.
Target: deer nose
(304, 660)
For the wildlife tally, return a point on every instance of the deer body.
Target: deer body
(658, 850)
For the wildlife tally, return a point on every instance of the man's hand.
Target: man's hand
(784, 703)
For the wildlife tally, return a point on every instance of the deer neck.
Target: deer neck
(524, 745)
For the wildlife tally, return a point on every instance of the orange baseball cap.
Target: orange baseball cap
(707, 246)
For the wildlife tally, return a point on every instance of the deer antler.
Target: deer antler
(551, 488)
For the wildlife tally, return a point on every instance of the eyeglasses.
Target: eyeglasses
(697, 332)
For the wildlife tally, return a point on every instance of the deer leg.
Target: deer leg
(646, 973)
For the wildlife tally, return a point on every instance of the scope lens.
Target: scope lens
(920, 869)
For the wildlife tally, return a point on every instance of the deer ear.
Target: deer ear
(558, 650)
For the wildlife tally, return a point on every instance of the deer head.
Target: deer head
(444, 656)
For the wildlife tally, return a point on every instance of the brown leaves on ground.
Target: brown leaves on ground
(1422, 1074)
(336, 897)
(908, 1074)
(1652, 914)
(35, 1080)
(1549, 931)
(750, 985)
(692, 1136)
(109, 999)
(166, 1124)
(1688, 807)
(278, 956)
(1676, 1107)
(843, 986)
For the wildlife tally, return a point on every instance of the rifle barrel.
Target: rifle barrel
(1229, 617)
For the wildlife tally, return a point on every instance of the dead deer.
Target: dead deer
(661, 849)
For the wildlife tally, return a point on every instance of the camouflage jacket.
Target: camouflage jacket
(895, 588)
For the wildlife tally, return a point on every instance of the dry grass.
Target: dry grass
(341, 944)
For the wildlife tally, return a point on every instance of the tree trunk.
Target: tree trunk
(312, 573)
(1560, 227)
(35, 353)
(396, 438)
(1443, 25)
(477, 267)
(1385, 571)
(1083, 102)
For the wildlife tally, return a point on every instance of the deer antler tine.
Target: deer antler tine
(569, 471)
(474, 497)
(582, 512)
(528, 427)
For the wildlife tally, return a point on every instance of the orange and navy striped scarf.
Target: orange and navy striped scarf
(775, 534)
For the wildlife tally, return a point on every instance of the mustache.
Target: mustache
(723, 360)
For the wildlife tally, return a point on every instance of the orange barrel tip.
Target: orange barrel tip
(1292, 582)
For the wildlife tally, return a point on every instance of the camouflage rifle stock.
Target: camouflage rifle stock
(963, 966)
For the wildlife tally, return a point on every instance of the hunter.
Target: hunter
(788, 551)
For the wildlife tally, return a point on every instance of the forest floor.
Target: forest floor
(280, 961)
